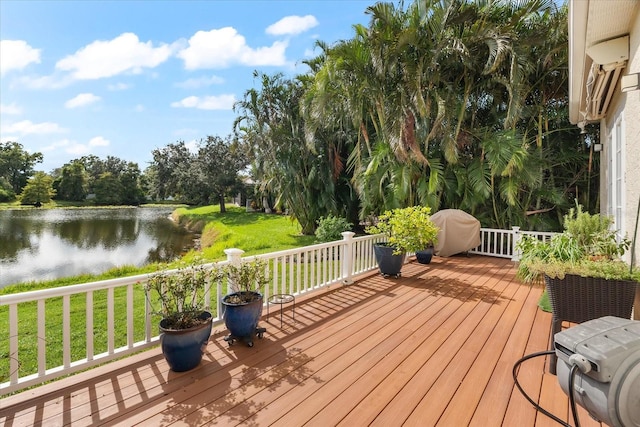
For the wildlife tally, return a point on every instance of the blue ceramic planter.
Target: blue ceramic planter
(388, 263)
(424, 257)
(242, 319)
(183, 348)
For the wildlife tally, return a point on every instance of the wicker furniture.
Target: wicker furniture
(577, 299)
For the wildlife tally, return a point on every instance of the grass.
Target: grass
(543, 302)
(255, 233)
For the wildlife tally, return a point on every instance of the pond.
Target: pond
(43, 244)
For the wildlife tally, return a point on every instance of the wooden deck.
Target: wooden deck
(434, 347)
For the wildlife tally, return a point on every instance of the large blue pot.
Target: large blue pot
(242, 319)
(183, 348)
(389, 263)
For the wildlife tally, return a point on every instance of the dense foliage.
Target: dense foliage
(330, 228)
(586, 247)
(456, 104)
(207, 176)
(39, 190)
(16, 167)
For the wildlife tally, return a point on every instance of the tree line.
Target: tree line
(175, 173)
(448, 104)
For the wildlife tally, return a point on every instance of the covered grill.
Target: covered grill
(459, 232)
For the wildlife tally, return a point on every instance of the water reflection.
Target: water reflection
(40, 244)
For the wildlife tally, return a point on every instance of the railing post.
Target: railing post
(234, 256)
(347, 262)
(515, 254)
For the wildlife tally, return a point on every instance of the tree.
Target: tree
(207, 176)
(108, 190)
(39, 190)
(73, 183)
(220, 162)
(6, 191)
(457, 104)
(304, 175)
(168, 163)
(131, 192)
(17, 165)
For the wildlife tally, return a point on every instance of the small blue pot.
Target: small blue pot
(424, 257)
(242, 319)
(183, 348)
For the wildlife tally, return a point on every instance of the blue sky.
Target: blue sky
(122, 78)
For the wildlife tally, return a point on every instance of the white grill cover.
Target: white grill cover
(459, 232)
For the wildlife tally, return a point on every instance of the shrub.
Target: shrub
(586, 247)
(330, 228)
(408, 229)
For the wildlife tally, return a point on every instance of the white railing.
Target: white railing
(121, 301)
(502, 243)
(118, 301)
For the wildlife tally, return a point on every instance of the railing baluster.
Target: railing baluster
(14, 359)
(42, 338)
(299, 273)
(66, 331)
(110, 321)
(89, 324)
(130, 316)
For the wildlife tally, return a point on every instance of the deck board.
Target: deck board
(434, 347)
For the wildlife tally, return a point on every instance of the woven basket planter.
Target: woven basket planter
(578, 299)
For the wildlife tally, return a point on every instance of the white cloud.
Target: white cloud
(12, 109)
(125, 53)
(43, 82)
(56, 145)
(200, 82)
(98, 141)
(78, 149)
(118, 86)
(28, 127)
(292, 25)
(192, 146)
(75, 148)
(16, 55)
(8, 138)
(224, 47)
(82, 100)
(139, 108)
(220, 102)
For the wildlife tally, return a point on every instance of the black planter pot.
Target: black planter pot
(183, 348)
(242, 319)
(425, 256)
(388, 263)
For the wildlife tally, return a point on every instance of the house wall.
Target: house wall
(625, 106)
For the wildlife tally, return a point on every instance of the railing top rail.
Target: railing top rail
(83, 287)
(59, 291)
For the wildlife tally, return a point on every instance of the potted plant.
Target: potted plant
(407, 230)
(583, 275)
(243, 304)
(185, 327)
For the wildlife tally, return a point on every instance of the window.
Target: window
(615, 175)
